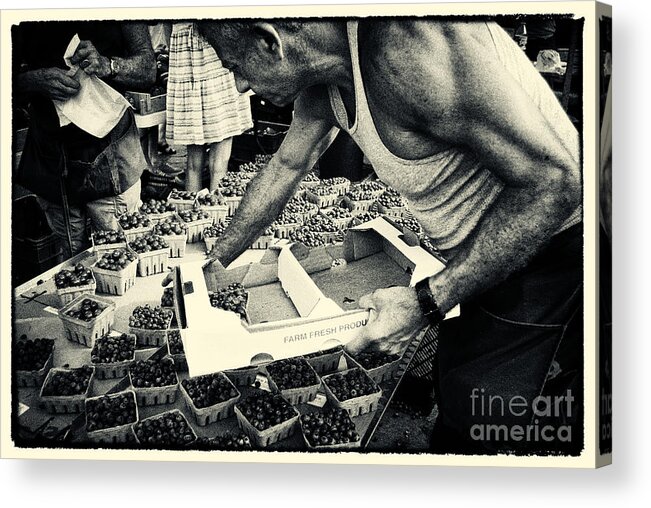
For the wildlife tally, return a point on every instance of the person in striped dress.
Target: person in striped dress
(204, 108)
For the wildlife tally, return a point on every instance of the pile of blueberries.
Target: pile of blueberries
(232, 298)
(68, 382)
(169, 429)
(373, 359)
(134, 220)
(194, 215)
(175, 342)
(157, 206)
(292, 373)
(87, 310)
(153, 373)
(182, 195)
(214, 231)
(31, 355)
(108, 237)
(332, 427)
(167, 300)
(110, 411)
(264, 410)
(116, 260)
(351, 384)
(113, 349)
(228, 442)
(168, 227)
(148, 243)
(150, 318)
(307, 237)
(78, 276)
(210, 389)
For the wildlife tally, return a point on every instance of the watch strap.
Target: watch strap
(427, 303)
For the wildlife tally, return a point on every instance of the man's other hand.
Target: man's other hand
(89, 59)
(394, 317)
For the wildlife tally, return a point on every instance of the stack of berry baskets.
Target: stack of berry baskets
(183, 436)
(210, 398)
(261, 432)
(154, 382)
(316, 426)
(153, 253)
(112, 354)
(87, 318)
(380, 367)
(285, 223)
(196, 221)
(65, 391)
(302, 208)
(135, 224)
(325, 361)
(339, 183)
(391, 203)
(115, 271)
(341, 396)
(74, 282)
(359, 198)
(339, 215)
(322, 195)
(182, 200)
(150, 325)
(265, 240)
(106, 241)
(213, 203)
(157, 209)
(32, 360)
(175, 350)
(174, 230)
(294, 379)
(212, 233)
(101, 424)
(324, 227)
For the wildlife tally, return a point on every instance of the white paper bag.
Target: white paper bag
(97, 107)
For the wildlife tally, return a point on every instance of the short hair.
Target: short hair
(233, 30)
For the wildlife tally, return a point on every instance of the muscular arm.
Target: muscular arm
(473, 103)
(309, 135)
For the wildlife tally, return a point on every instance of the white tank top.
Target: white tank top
(449, 191)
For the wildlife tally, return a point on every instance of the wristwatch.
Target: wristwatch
(115, 67)
(427, 302)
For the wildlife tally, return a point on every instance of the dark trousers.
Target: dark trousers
(510, 370)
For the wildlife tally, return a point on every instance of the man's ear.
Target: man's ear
(268, 39)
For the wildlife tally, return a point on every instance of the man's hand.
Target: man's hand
(89, 59)
(54, 83)
(394, 317)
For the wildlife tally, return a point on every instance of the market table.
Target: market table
(35, 314)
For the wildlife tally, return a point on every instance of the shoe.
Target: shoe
(165, 149)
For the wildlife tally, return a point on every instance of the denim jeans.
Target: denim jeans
(516, 346)
(102, 213)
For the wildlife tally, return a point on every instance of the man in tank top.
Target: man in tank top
(454, 116)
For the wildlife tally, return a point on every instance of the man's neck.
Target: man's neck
(330, 62)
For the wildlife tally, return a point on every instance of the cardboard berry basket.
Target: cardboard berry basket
(112, 435)
(301, 395)
(155, 395)
(34, 378)
(263, 242)
(232, 202)
(85, 332)
(62, 404)
(211, 414)
(115, 370)
(283, 230)
(180, 362)
(66, 295)
(99, 250)
(322, 201)
(264, 438)
(151, 337)
(342, 223)
(195, 229)
(379, 374)
(342, 188)
(177, 245)
(182, 204)
(351, 445)
(162, 415)
(132, 234)
(157, 217)
(325, 361)
(356, 406)
(217, 212)
(115, 282)
(244, 376)
(210, 242)
(153, 262)
(398, 211)
(357, 206)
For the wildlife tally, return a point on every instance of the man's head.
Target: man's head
(272, 58)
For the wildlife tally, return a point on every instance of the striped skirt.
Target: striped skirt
(203, 105)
